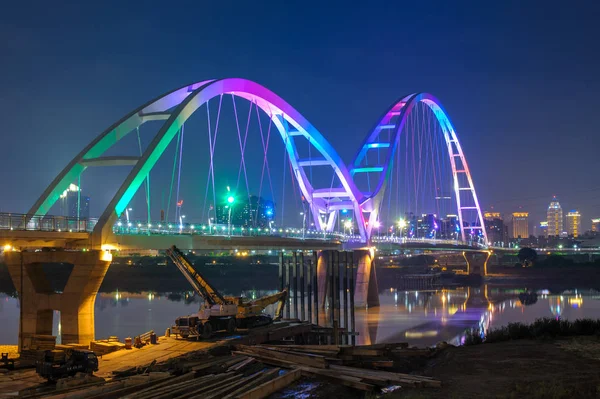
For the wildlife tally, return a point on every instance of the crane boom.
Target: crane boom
(261, 303)
(201, 286)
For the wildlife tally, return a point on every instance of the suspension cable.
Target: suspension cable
(242, 147)
(147, 180)
(265, 164)
(179, 172)
(173, 175)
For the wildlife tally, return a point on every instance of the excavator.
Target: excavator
(220, 312)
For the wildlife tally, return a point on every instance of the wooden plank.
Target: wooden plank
(220, 391)
(224, 360)
(270, 360)
(394, 377)
(270, 387)
(303, 359)
(196, 392)
(339, 378)
(266, 376)
(241, 364)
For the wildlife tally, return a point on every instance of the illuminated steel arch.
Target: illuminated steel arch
(395, 119)
(175, 108)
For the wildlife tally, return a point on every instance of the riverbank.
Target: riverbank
(545, 278)
(561, 368)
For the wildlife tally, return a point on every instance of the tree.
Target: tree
(527, 255)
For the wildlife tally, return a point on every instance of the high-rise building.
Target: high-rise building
(494, 226)
(543, 229)
(520, 222)
(253, 212)
(73, 204)
(555, 218)
(573, 223)
(596, 225)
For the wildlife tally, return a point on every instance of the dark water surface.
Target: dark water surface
(417, 317)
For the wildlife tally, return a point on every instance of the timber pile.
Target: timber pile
(72, 346)
(29, 357)
(42, 342)
(249, 372)
(353, 366)
(105, 346)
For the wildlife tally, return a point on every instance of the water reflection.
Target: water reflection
(419, 317)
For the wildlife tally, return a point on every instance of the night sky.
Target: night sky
(519, 80)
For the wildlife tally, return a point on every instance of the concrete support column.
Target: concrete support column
(477, 262)
(323, 277)
(367, 291)
(75, 303)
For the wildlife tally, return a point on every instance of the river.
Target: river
(421, 318)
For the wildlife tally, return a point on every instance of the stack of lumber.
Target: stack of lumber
(29, 357)
(249, 372)
(104, 347)
(337, 364)
(42, 342)
(72, 347)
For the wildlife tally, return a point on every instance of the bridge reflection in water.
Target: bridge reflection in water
(421, 318)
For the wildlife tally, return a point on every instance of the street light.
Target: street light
(377, 225)
(230, 201)
(303, 214)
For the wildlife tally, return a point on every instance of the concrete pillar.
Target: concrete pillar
(367, 291)
(75, 303)
(477, 262)
(323, 277)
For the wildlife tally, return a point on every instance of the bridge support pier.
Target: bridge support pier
(324, 263)
(367, 291)
(477, 262)
(38, 300)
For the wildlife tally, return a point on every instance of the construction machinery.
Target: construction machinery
(220, 312)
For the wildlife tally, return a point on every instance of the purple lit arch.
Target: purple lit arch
(175, 107)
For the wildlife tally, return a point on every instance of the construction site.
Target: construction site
(230, 348)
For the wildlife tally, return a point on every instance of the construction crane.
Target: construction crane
(219, 312)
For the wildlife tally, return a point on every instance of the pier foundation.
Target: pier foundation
(477, 262)
(367, 292)
(75, 302)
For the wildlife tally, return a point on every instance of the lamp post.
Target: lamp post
(303, 214)
(230, 201)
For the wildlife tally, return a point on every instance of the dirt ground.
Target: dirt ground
(12, 350)
(565, 368)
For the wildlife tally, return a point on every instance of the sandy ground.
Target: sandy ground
(12, 350)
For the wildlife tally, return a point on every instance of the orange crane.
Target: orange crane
(219, 312)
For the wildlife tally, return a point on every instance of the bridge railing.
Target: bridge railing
(162, 228)
(432, 241)
(19, 221)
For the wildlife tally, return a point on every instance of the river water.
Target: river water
(418, 317)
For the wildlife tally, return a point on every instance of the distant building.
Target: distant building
(573, 223)
(449, 227)
(543, 229)
(520, 224)
(253, 212)
(555, 218)
(73, 204)
(494, 226)
(596, 225)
